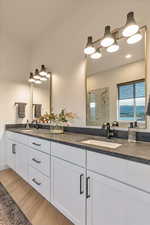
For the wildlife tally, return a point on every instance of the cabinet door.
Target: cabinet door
(11, 154)
(22, 161)
(68, 190)
(112, 203)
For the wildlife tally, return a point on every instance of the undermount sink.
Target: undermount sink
(27, 130)
(102, 143)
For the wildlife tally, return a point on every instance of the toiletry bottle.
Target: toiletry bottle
(131, 133)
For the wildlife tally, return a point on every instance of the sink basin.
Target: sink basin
(102, 144)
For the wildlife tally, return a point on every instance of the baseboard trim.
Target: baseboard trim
(3, 167)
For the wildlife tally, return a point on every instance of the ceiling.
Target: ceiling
(28, 19)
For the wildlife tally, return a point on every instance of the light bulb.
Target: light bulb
(108, 38)
(38, 81)
(113, 48)
(131, 27)
(96, 55)
(89, 49)
(48, 75)
(134, 39)
(128, 56)
(42, 78)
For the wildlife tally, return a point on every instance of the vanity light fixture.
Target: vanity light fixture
(131, 27)
(108, 38)
(113, 48)
(135, 38)
(31, 79)
(43, 78)
(97, 54)
(43, 71)
(131, 32)
(89, 49)
(37, 75)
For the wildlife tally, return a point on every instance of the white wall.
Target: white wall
(110, 78)
(14, 70)
(62, 51)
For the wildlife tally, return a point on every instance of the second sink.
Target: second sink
(102, 143)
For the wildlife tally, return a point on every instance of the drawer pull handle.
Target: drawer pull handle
(88, 187)
(36, 182)
(14, 149)
(36, 161)
(36, 144)
(81, 184)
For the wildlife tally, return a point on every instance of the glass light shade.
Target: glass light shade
(38, 81)
(43, 71)
(96, 55)
(89, 49)
(37, 77)
(31, 79)
(42, 78)
(113, 48)
(134, 39)
(131, 27)
(108, 38)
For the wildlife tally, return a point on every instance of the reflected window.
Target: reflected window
(131, 101)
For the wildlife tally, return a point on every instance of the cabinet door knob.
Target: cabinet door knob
(88, 187)
(36, 161)
(36, 182)
(81, 184)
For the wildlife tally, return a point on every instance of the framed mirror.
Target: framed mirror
(41, 98)
(116, 85)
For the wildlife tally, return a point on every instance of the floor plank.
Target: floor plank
(38, 210)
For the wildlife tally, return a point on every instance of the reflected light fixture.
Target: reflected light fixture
(43, 71)
(131, 27)
(31, 79)
(89, 49)
(108, 37)
(36, 75)
(135, 38)
(128, 56)
(97, 54)
(113, 48)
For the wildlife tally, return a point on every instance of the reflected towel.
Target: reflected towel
(37, 110)
(21, 110)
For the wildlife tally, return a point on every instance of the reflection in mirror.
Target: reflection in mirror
(41, 98)
(116, 85)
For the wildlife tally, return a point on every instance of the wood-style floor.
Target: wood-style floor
(34, 206)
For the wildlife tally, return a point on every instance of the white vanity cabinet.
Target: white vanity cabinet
(68, 189)
(114, 194)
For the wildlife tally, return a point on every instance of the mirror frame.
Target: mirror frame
(145, 31)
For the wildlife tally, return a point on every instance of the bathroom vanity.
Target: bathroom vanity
(89, 184)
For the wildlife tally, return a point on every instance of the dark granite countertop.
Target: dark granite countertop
(138, 152)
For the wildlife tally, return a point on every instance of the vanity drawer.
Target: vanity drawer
(129, 172)
(20, 138)
(39, 144)
(69, 153)
(39, 182)
(40, 161)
